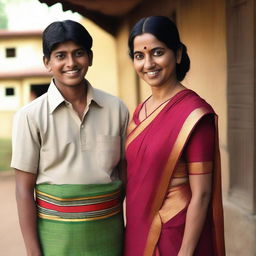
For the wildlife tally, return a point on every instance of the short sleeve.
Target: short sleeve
(25, 143)
(199, 151)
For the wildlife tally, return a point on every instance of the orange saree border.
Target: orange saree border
(200, 168)
(155, 229)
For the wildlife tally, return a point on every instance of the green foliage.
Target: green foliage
(3, 17)
(5, 154)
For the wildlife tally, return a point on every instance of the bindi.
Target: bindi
(145, 48)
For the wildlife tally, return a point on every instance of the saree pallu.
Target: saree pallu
(153, 149)
(80, 220)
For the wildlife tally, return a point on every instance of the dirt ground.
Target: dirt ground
(11, 243)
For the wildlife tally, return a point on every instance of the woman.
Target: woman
(174, 204)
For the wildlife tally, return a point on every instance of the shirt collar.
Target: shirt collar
(55, 98)
(92, 95)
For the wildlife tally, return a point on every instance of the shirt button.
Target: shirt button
(82, 126)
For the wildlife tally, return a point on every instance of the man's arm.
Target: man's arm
(25, 184)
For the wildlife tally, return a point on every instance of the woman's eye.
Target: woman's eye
(158, 52)
(138, 56)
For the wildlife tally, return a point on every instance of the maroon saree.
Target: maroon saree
(153, 149)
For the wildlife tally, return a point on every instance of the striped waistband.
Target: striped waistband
(78, 208)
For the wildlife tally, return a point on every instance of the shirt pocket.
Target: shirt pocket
(107, 152)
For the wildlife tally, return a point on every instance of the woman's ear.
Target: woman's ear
(179, 55)
(47, 63)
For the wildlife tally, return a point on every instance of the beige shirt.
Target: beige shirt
(50, 140)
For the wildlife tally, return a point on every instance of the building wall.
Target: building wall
(103, 73)
(29, 54)
(241, 207)
(203, 30)
(10, 104)
(28, 59)
(127, 78)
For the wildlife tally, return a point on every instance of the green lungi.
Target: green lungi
(80, 220)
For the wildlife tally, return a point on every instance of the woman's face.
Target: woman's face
(153, 61)
(68, 63)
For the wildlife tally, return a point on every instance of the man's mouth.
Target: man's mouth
(71, 72)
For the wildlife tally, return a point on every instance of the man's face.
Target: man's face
(68, 64)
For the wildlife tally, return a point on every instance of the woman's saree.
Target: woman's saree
(153, 149)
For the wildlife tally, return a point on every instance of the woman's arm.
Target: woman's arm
(25, 184)
(199, 154)
(196, 213)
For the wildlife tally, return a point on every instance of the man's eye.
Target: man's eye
(60, 56)
(80, 53)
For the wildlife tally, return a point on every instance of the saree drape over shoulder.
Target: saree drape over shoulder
(153, 150)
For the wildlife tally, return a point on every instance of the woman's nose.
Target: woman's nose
(149, 62)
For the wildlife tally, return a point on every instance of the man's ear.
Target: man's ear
(90, 55)
(47, 63)
(179, 55)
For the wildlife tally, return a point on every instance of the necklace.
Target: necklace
(145, 106)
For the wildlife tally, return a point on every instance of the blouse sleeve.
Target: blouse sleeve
(199, 151)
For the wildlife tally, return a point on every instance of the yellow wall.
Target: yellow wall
(28, 58)
(103, 73)
(128, 82)
(112, 69)
(29, 54)
(22, 87)
(203, 29)
(6, 118)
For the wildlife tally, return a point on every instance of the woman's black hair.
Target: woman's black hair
(63, 31)
(165, 31)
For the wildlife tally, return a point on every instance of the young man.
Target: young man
(68, 149)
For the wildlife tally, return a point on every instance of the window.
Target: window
(37, 90)
(10, 52)
(9, 91)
